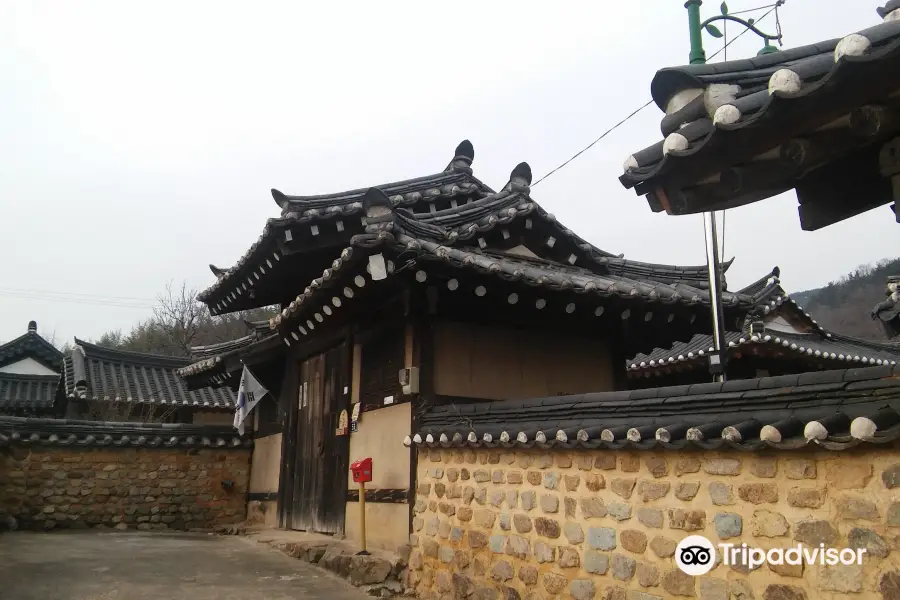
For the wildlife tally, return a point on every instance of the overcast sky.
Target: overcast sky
(141, 139)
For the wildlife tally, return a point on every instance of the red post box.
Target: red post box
(362, 474)
(362, 470)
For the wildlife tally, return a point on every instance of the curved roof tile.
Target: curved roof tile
(95, 373)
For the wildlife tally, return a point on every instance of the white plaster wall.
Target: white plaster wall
(781, 324)
(27, 366)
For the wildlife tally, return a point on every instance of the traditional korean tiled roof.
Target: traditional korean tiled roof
(455, 182)
(818, 345)
(213, 350)
(316, 302)
(833, 409)
(833, 349)
(763, 284)
(212, 358)
(773, 298)
(257, 330)
(769, 296)
(27, 393)
(888, 311)
(64, 432)
(225, 368)
(452, 207)
(397, 233)
(459, 224)
(95, 373)
(30, 344)
(723, 118)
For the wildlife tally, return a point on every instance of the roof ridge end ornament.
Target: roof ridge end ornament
(377, 205)
(280, 199)
(217, 271)
(462, 158)
(519, 179)
(890, 11)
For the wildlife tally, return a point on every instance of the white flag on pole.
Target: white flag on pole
(249, 393)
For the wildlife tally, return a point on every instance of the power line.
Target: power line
(589, 146)
(774, 8)
(78, 294)
(744, 32)
(758, 8)
(76, 300)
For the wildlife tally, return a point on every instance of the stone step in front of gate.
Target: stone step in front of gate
(381, 574)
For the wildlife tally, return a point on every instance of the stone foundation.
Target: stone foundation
(45, 487)
(263, 513)
(601, 524)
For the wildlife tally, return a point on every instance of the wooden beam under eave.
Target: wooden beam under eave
(356, 370)
(843, 189)
(722, 195)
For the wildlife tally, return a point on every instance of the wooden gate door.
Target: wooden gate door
(322, 456)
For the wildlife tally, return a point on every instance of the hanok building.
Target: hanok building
(777, 337)
(104, 384)
(823, 119)
(430, 291)
(29, 374)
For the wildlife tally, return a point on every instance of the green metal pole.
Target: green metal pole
(698, 55)
(718, 368)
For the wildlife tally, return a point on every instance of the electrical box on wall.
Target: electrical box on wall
(409, 379)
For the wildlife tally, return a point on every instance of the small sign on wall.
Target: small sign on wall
(388, 400)
(354, 417)
(342, 424)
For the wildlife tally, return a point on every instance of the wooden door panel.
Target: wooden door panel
(335, 448)
(300, 518)
(320, 482)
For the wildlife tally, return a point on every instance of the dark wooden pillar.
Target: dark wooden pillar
(620, 352)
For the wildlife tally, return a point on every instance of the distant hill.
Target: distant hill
(843, 306)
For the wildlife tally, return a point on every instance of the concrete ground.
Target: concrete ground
(92, 565)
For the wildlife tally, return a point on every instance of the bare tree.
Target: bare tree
(180, 317)
(52, 339)
(181, 321)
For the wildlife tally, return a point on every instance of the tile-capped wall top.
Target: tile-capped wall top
(834, 409)
(64, 432)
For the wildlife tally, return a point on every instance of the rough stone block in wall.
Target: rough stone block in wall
(51, 487)
(597, 524)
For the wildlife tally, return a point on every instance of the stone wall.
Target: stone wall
(47, 487)
(602, 524)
